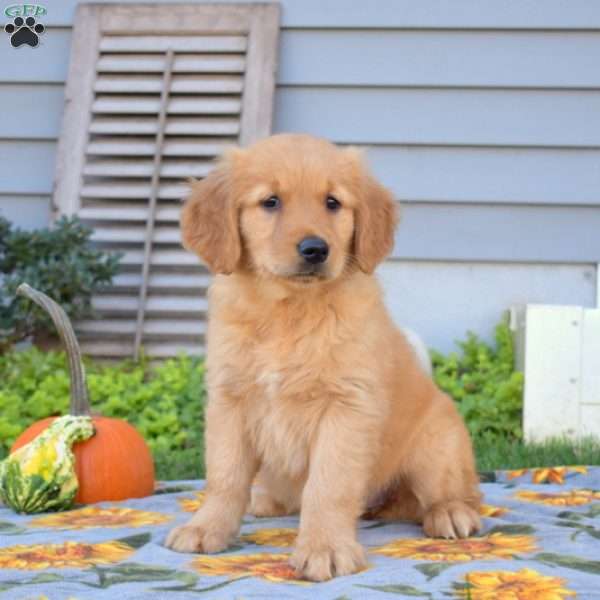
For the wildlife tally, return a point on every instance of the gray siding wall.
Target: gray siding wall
(483, 116)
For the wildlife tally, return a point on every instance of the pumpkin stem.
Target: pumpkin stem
(80, 404)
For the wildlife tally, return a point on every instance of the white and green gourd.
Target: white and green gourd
(41, 476)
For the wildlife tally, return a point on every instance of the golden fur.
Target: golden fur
(310, 384)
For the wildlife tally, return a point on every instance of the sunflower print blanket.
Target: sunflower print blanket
(541, 541)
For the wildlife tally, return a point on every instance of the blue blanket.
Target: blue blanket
(541, 540)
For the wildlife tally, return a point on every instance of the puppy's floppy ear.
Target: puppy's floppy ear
(209, 220)
(375, 219)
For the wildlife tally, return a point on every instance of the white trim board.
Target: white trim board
(559, 352)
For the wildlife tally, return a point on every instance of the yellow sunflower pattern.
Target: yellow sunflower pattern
(576, 497)
(192, 504)
(94, 516)
(487, 547)
(63, 556)
(525, 584)
(279, 538)
(488, 510)
(272, 567)
(548, 474)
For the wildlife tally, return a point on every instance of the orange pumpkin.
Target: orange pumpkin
(115, 463)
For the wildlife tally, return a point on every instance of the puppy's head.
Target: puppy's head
(292, 207)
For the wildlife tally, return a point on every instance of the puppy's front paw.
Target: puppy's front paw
(193, 538)
(451, 520)
(320, 562)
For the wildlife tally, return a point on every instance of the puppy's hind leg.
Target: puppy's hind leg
(399, 504)
(443, 478)
(274, 496)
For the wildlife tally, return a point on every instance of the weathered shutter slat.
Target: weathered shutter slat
(128, 235)
(139, 147)
(117, 303)
(142, 105)
(175, 126)
(141, 136)
(164, 281)
(162, 258)
(115, 327)
(128, 212)
(186, 84)
(115, 63)
(161, 43)
(143, 168)
(156, 350)
(172, 191)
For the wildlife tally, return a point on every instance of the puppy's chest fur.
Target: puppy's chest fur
(288, 374)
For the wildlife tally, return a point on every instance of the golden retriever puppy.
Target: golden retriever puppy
(310, 385)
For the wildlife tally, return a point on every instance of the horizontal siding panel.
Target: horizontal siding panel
(31, 110)
(440, 58)
(48, 63)
(499, 233)
(413, 173)
(441, 116)
(442, 300)
(426, 232)
(360, 57)
(26, 167)
(493, 14)
(485, 175)
(26, 212)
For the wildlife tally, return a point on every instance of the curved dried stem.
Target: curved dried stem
(80, 404)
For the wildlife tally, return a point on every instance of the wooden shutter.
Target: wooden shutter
(154, 93)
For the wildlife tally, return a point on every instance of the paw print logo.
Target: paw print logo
(24, 31)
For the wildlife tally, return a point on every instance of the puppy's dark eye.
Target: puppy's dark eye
(332, 204)
(272, 203)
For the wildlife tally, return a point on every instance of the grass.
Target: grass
(508, 454)
(491, 455)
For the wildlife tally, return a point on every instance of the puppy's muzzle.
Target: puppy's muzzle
(314, 250)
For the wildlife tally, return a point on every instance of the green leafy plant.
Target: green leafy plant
(165, 403)
(59, 262)
(485, 385)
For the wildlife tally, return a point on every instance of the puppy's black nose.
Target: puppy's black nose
(313, 250)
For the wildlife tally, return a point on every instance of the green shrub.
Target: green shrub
(165, 403)
(59, 262)
(483, 382)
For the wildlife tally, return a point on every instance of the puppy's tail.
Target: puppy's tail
(420, 350)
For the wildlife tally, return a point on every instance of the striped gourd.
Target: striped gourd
(40, 476)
